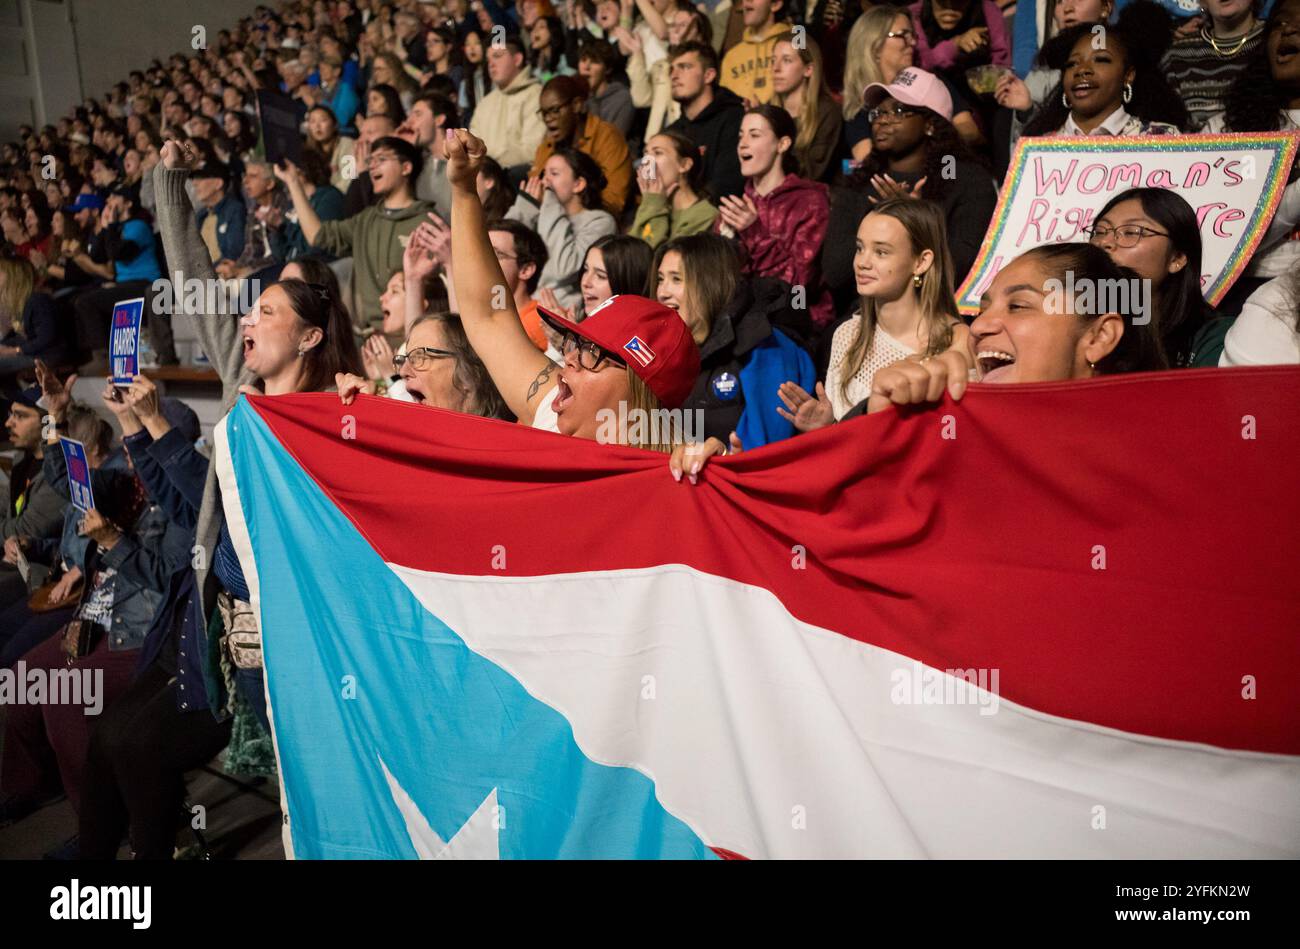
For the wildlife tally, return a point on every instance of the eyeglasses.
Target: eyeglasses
(374, 160)
(590, 355)
(1126, 235)
(550, 112)
(421, 358)
(908, 36)
(896, 114)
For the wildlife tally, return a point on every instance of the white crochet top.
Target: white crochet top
(884, 351)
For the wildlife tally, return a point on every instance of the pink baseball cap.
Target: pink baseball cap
(914, 87)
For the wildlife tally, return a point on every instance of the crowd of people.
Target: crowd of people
(542, 213)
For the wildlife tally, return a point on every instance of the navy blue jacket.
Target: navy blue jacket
(40, 337)
(144, 558)
(175, 473)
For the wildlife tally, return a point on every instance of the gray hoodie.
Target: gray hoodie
(567, 238)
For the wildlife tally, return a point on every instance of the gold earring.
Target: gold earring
(916, 280)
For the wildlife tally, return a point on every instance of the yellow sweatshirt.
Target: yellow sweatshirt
(747, 66)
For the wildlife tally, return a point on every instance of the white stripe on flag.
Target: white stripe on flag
(773, 738)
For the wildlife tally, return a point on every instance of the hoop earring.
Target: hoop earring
(1065, 100)
(1128, 92)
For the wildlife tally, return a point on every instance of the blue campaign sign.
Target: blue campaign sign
(124, 340)
(74, 453)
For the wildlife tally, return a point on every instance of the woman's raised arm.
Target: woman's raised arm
(523, 375)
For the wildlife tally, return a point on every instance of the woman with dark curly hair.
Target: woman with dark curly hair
(915, 153)
(1111, 83)
(1266, 98)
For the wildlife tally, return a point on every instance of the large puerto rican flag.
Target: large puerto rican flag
(1057, 620)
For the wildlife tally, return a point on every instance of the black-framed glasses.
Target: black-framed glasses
(421, 358)
(548, 112)
(590, 355)
(908, 36)
(896, 114)
(1126, 235)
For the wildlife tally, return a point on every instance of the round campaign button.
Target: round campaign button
(726, 386)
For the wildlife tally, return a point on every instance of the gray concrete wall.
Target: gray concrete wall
(116, 36)
(55, 53)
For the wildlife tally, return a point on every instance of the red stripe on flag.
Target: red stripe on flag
(964, 536)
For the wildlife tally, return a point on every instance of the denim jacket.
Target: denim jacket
(143, 559)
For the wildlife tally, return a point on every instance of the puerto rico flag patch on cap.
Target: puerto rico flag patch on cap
(639, 351)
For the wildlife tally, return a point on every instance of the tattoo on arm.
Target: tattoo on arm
(541, 378)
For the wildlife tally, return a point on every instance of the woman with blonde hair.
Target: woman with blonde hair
(799, 81)
(882, 44)
(387, 71)
(904, 277)
(29, 328)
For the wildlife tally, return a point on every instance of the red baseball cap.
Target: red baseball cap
(652, 339)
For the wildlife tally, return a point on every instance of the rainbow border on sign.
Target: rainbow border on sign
(1283, 145)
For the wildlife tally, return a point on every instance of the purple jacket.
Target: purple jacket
(944, 55)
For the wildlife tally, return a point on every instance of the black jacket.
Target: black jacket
(759, 305)
(40, 338)
(716, 131)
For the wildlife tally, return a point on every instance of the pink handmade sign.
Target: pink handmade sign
(1055, 187)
